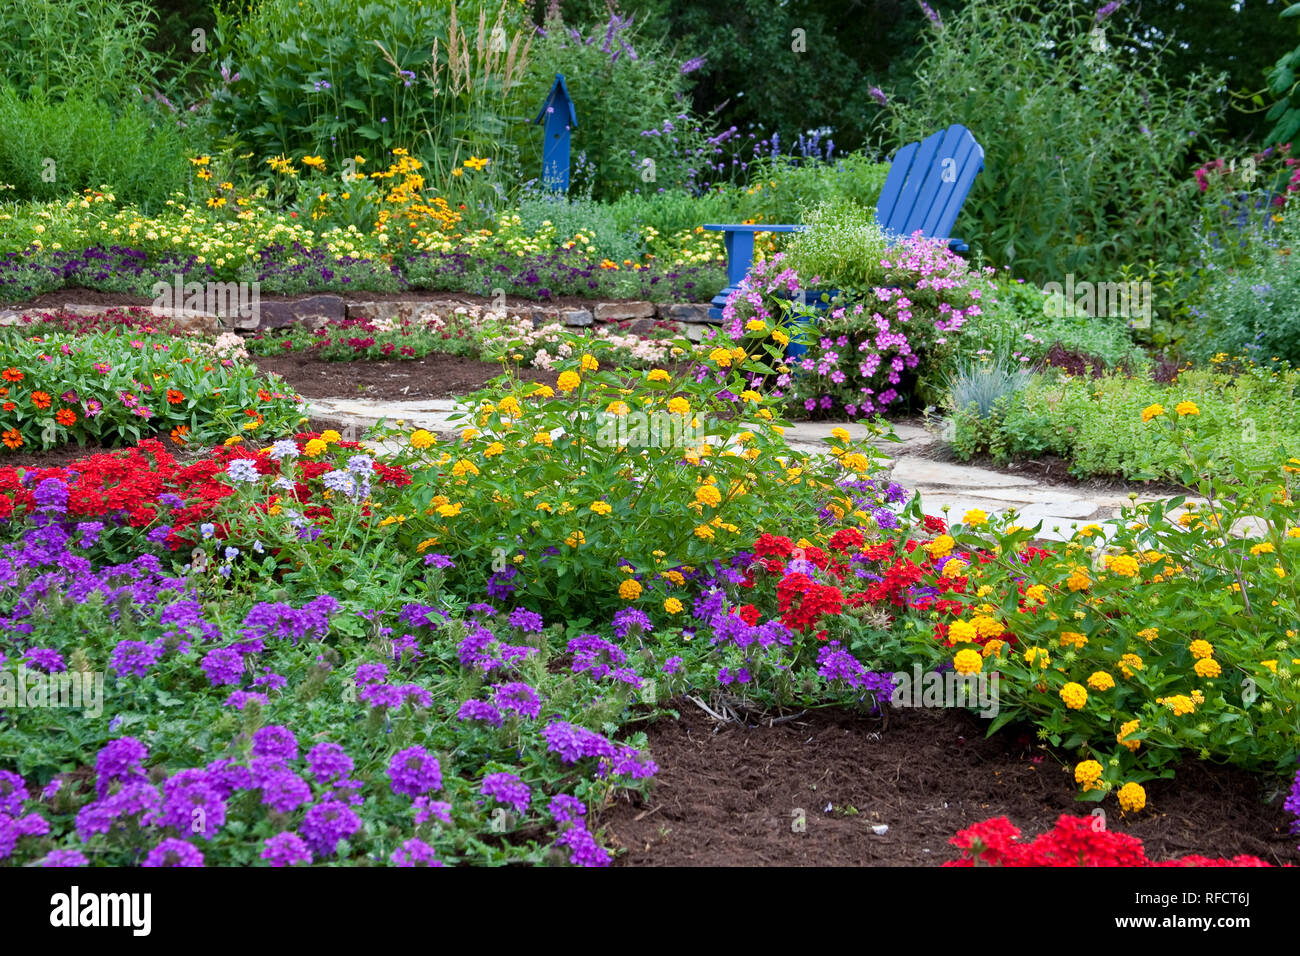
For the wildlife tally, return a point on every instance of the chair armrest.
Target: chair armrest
(753, 227)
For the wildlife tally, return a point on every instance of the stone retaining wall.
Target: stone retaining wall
(318, 310)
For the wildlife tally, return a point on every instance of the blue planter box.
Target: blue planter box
(814, 298)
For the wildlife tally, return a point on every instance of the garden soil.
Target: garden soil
(437, 375)
(730, 795)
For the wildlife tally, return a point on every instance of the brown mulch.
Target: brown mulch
(437, 375)
(730, 797)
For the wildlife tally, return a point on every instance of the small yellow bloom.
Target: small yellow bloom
(1187, 408)
(494, 449)
(422, 439)
(1264, 547)
(968, 661)
(1125, 565)
(1087, 773)
(1201, 649)
(1132, 797)
(954, 568)
(1100, 680)
(1149, 634)
(679, 406)
(962, 632)
(1074, 696)
(855, 462)
(673, 606)
(463, 467)
(542, 438)
(568, 381)
(601, 507)
(330, 437)
(1130, 663)
(589, 364)
(940, 547)
(708, 495)
(1073, 639)
(314, 447)
(1208, 667)
(1127, 729)
(1152, 411)
(1039, 656)
(975, 517)
(657, 375)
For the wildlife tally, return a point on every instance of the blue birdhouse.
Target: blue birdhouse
(558, 119)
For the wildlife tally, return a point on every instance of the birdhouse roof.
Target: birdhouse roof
(559, 99)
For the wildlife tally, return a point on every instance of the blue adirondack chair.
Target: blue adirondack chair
(926, 186)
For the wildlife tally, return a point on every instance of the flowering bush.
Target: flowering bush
(608, 489)
(1166, 632)
(1074, 841)
(1243, 201)
(112, 387)
(858, 352)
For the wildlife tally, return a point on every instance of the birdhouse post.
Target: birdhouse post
(558, 119)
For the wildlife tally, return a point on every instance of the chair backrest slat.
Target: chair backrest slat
(928, 182)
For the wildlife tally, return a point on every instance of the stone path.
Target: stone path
(942, 484)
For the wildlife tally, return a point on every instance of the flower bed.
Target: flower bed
(860, 348)
(458, 637)
(115, 386)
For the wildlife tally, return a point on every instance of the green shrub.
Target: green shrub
(1015, 325)
(54, 149)
(85, 48)
(629, 96)
(1097, 424)
(339, 78)
(784, 190)
(1255, 311)
(572, 216)
(675, 210)
(1084, 139)
(842, 248)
